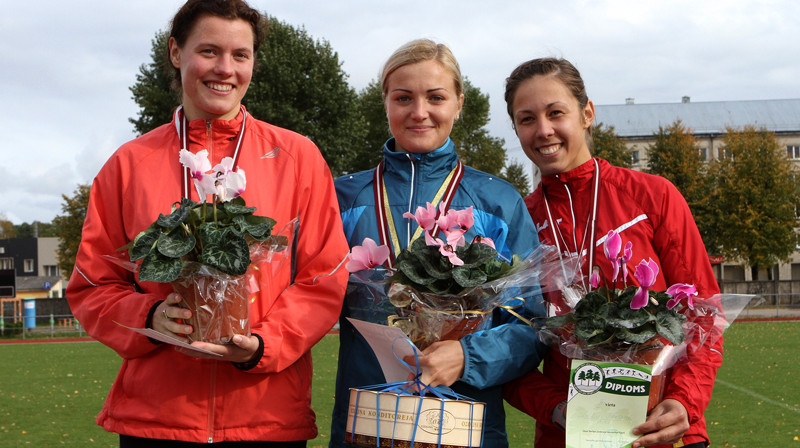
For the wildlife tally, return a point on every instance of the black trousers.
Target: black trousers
(138, 442)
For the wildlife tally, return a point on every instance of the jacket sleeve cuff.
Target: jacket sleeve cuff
(248, 365)
(148, 323)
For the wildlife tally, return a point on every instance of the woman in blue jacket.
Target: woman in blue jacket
(423, 96)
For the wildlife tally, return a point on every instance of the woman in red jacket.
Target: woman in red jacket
(258, 392)
(579, 200)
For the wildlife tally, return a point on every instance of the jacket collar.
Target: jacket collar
(576, 176)
(222, 129)
(436, 163)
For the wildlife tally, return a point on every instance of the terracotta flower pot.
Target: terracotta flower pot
(220, 305)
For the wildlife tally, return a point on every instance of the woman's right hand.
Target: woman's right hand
(166, 315)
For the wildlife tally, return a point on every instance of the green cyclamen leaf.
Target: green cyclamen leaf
(589, 327)
(414, 271)
(235, 207)
(144, 243)
(157, 268)
(625, 317)
(176, 243)
(590, 305)
(477, 254)
(468, 278)
(259, 227)
(669, 325)
(638, 335)
(177, 216)
(230, 254)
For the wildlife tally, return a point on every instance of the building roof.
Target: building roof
(640, 120)
(36, 283)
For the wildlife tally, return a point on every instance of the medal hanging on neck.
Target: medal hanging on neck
(590, 224)
(386, 227)
(182, 127)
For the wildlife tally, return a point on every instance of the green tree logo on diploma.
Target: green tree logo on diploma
(588, 378)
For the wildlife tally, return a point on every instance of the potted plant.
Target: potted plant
(205, 249)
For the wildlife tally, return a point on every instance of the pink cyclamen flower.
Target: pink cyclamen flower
(679, 292)
(224, 167)
(366, 256)
(627, 254)
(424, 216)
(594, 279)
(445, 249)
(646, 273)
(231, 185)
(611, 248)
(197, 164)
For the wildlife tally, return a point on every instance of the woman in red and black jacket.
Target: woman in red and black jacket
(579, 200)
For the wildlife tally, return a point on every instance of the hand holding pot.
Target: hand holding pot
(166, 315)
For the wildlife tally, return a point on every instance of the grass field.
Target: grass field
(50, 393)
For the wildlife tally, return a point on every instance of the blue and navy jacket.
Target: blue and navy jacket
(492, 357)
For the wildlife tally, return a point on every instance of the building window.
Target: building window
(734, 273)
(29, 265)
(2, 250)
(635, 157)
(51, 270)
(6, 263)
(724, 154)
(703, 152)
(793, 152)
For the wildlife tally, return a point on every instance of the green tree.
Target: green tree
(298, 83)
(34, 229)
(474, 145)
(376, 130)
(756, 193)
(516, 176)
(607, 145)
(153, 90)
(6, 227)
(68, 227)
(676, 156)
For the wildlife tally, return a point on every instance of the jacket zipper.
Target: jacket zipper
(212, 398)
(410, 197)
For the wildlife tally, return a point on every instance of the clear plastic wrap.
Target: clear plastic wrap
(427, 317)
(220, 303)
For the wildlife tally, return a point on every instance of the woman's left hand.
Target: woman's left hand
(666, 423)
(242, 350)
(442, 363)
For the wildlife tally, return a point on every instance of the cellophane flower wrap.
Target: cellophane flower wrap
(443, 287)
(216, 253)
(617, 322)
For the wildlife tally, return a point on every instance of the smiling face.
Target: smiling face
(551, 125)
(216, 65)
(421, 105)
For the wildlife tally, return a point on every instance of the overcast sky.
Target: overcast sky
(66, 67)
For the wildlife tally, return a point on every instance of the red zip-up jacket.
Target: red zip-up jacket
(650, 212)
(161, 393)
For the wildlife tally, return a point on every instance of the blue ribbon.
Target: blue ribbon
(411, 387)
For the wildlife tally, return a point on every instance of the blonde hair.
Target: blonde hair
(420, 50)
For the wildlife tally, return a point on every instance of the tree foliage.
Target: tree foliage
(756, 194)
(298, 84)
(68, 227)
(474, 145)
(607, 145)
(34, 229)
(6, 227)
(516, 176)
(153, 92)
(676, 156)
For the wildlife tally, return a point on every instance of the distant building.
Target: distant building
(37, 275)
(636, 124)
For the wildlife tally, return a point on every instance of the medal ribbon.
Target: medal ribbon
(386, 227)
(182, 127)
